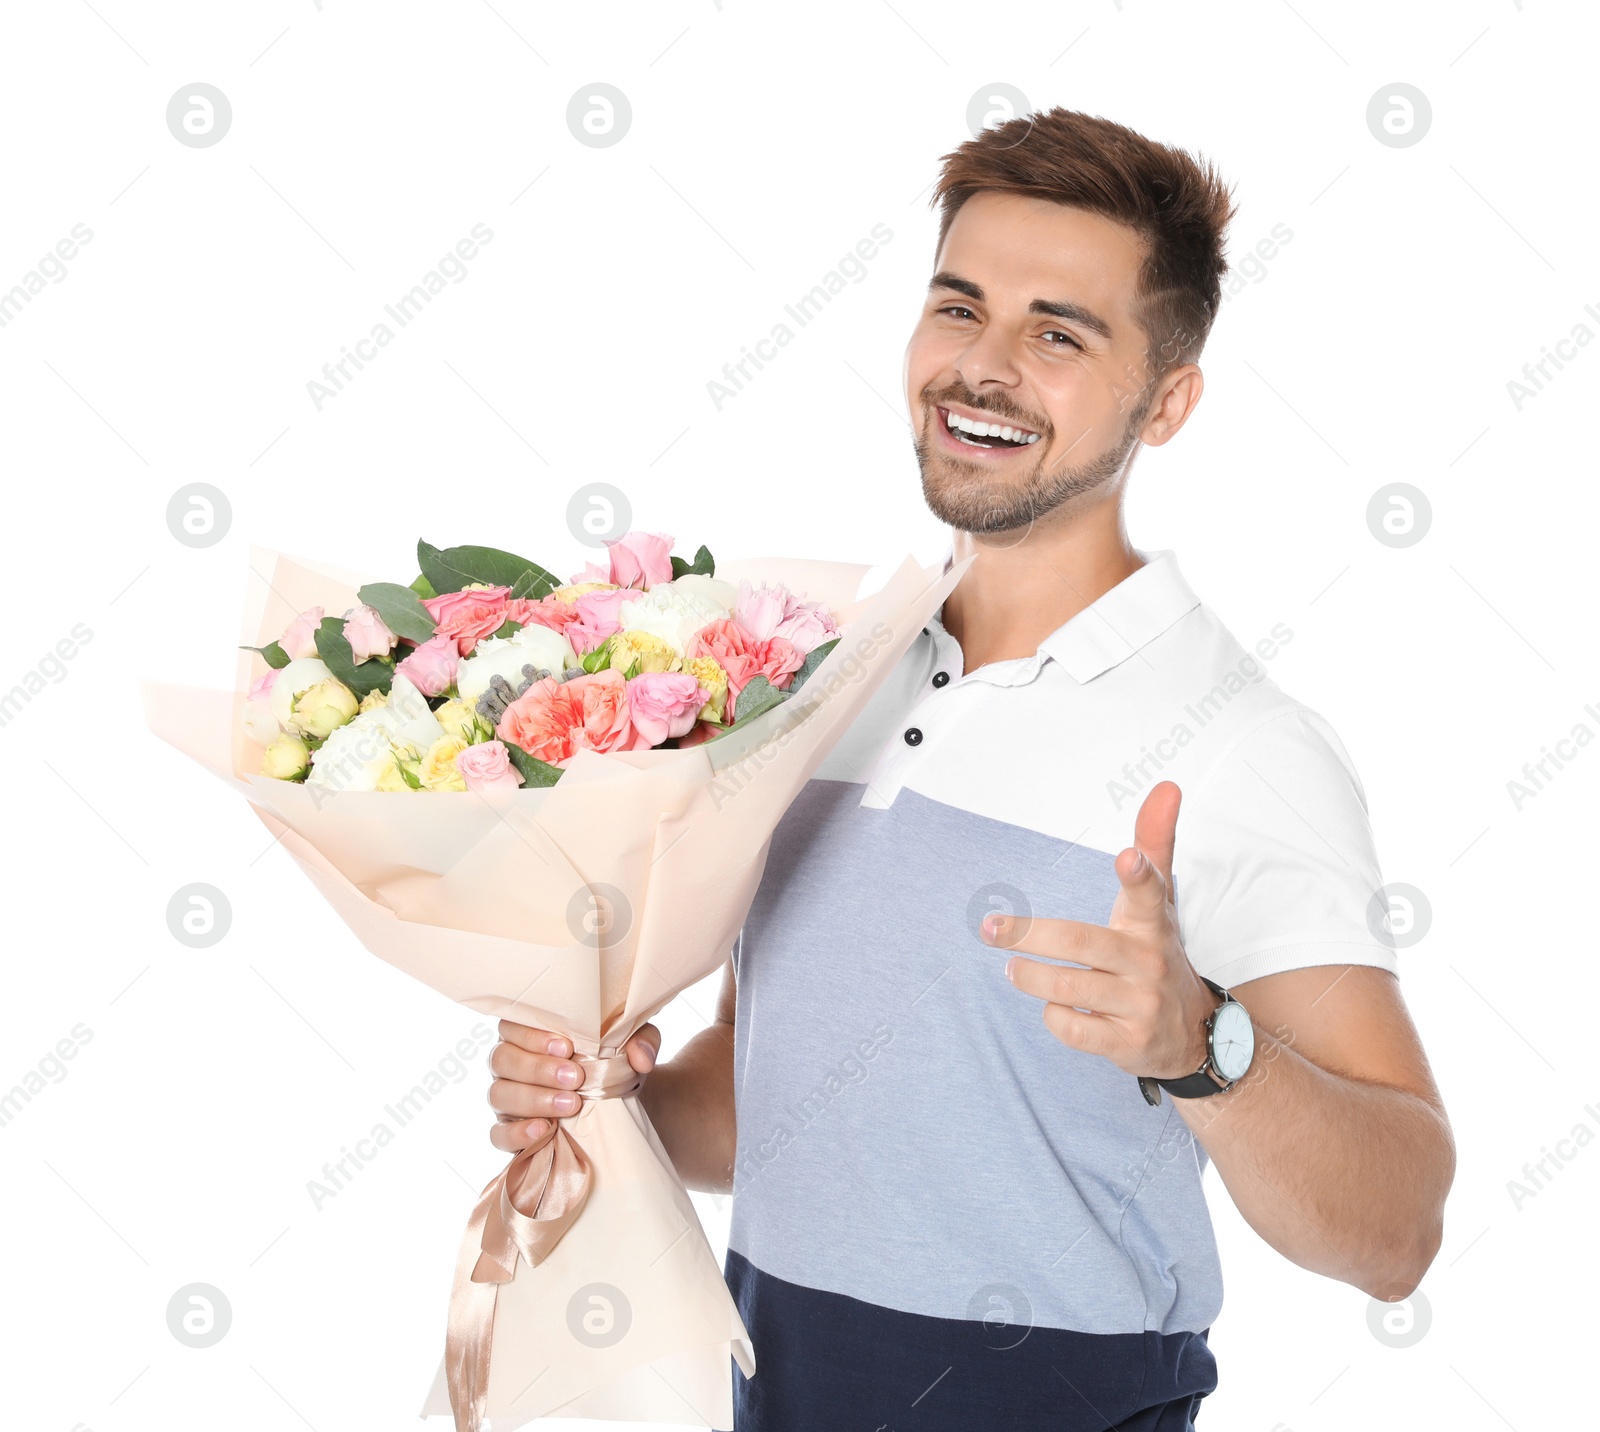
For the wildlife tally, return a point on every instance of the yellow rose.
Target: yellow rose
(461, 720)
(633, 652)
(320, 710)
(438, 770)
(571, 593)
(286, 758)
(402, 761)
(374, 699)
(707, 670)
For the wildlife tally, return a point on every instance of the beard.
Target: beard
(971, 498)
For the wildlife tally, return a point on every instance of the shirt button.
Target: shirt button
(940, 677)
(913, 736)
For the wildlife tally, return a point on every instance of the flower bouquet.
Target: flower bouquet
(616, 752)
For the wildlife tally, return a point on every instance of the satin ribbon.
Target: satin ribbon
(522, 1213)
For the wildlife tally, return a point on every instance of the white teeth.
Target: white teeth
(989, 430)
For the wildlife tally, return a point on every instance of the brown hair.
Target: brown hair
(1173, 200)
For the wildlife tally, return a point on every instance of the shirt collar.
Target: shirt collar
(1120, 622)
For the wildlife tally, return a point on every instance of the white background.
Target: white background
(1375, 346)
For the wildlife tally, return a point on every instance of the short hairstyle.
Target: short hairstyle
(1174, 200)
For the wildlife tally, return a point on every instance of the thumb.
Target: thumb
(1155, 830)
(643, 1048)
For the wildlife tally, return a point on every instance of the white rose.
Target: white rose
(533, 646)
(672, 612)
(260, 725)
(713, 589)
(352, 758)
(298, 677)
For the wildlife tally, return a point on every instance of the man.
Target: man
(962, 1197)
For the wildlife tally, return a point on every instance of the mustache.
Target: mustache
(1005, 412)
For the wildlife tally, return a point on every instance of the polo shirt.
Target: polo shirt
(943, 1217)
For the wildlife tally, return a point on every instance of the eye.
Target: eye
(957, 309)
(1057, 333)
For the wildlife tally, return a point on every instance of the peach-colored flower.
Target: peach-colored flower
(468, 615)
(742, 656)
(554, 720)
(548, 611)
(598, 618)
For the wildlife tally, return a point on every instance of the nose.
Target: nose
(989, 361)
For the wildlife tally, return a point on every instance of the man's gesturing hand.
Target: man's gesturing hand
(538, 1079)
(1147, 1006)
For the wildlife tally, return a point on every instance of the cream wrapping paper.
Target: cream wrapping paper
(491, 899)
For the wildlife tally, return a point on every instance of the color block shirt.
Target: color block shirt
(943, 1217)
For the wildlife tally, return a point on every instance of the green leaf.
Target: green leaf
(401, 609)
(525, 584)
(702, 566)
(814, 658)
(506, 629)
(423, 587)
(534, 771)
(758, 695)
(273, 654)
(370, 675)
(456, 567)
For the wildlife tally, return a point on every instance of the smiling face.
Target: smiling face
(1027, 376)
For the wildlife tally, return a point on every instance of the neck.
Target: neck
(1015, 595)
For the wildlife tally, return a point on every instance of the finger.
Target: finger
(643, 1048)
(1096, 945)
(1155, 828)
(1068, 985)
(514, 1135)
(1090, 1033)
(540, 1041)
(511, 1062)
(529, 1101)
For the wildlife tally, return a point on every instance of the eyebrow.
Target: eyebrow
(1072, 312)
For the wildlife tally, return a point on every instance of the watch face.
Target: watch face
(1233, 1040)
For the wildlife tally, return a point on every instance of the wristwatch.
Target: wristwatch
(1230, 1046)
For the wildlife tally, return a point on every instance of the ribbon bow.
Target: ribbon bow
(523, 1213)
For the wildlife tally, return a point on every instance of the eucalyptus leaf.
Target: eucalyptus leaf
(423, 587)
(814, 658)
(401, 609)
(758, 695)
(369, 675)
(534, 771)
(453, 568)
(273, 654)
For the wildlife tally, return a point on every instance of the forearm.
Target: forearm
(1344, 1177)
(690, 1102)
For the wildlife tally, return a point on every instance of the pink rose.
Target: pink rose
(300, 637)
(261, 687)
(469, 615)
(640, 559)
(487, 767)
(364, 629)
(431, 668)
(598, 618)
(554, 720)
(663, 704)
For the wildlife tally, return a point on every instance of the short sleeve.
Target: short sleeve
(1274, 864)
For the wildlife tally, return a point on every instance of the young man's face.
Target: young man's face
(1027, 325)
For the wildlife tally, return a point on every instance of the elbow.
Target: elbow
(1399, 1275)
